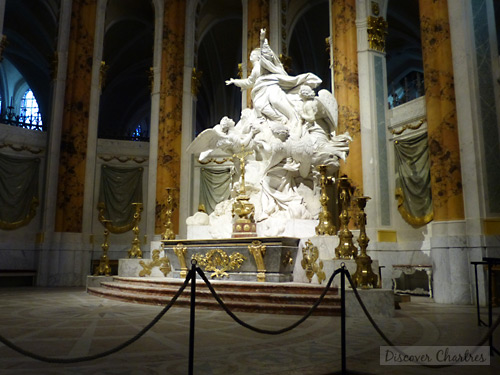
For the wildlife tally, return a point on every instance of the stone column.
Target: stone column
(444, 148)
(449, 250)
(74, 134)
(258, 18)
(345, 58)
(170, 119)
(64, 257)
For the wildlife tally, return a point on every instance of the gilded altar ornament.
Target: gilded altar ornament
(346, 248)
(169, 233)
(244, 224)
(258, 250)
(325, 225)
(135, 251)
(108, 224)
(310, 255)
(288, 259)
(219, 262)
(163, 263)
(364, 276)
(180, 250)
(377, 31)
(103, 268)
(6, 225)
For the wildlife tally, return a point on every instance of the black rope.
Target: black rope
(390, 343)
(107, 352)
(260, 330)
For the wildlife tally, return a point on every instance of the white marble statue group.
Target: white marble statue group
(290, 130)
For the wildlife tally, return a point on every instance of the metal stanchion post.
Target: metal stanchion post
(343, 346)
(192, 317)
(342, 321)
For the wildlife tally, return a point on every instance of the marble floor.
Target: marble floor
(69, 323)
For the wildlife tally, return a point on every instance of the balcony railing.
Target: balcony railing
(9, 117)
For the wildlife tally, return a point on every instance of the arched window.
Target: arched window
(29, 112)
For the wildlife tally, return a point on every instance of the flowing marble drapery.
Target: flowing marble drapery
(444, 147)
(215, 187)
(18, 190)
(413, 185)
(120, 187)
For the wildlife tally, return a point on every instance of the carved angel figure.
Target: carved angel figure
(291, 129)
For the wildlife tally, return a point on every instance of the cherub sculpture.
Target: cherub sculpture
(291, 130)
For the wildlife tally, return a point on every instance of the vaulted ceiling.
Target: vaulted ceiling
(31, 27)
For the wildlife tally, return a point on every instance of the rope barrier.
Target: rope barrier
(191, 276)
(107, 352)
(260, 330)
(390, 343)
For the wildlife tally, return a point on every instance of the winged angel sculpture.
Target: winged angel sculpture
(291, 130)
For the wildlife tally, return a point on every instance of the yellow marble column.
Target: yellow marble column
(69, 211)
(345, 58)
(170, 118)
(444, 148)
(258, 18)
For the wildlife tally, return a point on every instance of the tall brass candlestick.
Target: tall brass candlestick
(346, 248)
(103, 268)
(364, 276)
(169, 233)
(325, 226)
(135, 251)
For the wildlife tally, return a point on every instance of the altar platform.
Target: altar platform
(254, 274)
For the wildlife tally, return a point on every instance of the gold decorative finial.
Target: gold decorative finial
(377, 31)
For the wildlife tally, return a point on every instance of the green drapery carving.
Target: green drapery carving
(413, 182)
(18, 190)
(120, 187)
(215, 186)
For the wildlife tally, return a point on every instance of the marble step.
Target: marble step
(289, 298)
(242, 286)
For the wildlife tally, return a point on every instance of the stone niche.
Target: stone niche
(235, 259)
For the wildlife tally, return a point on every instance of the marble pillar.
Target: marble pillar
(73, 155)
(170, 118)
(449, 246)
(345, 57)
(444, 148)
(258, 18)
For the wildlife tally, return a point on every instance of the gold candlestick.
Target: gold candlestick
(346, 248)
(243, 210)
(103, 268)
(364, 276)
(325, 226)
(135, 250)
(169, 233)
